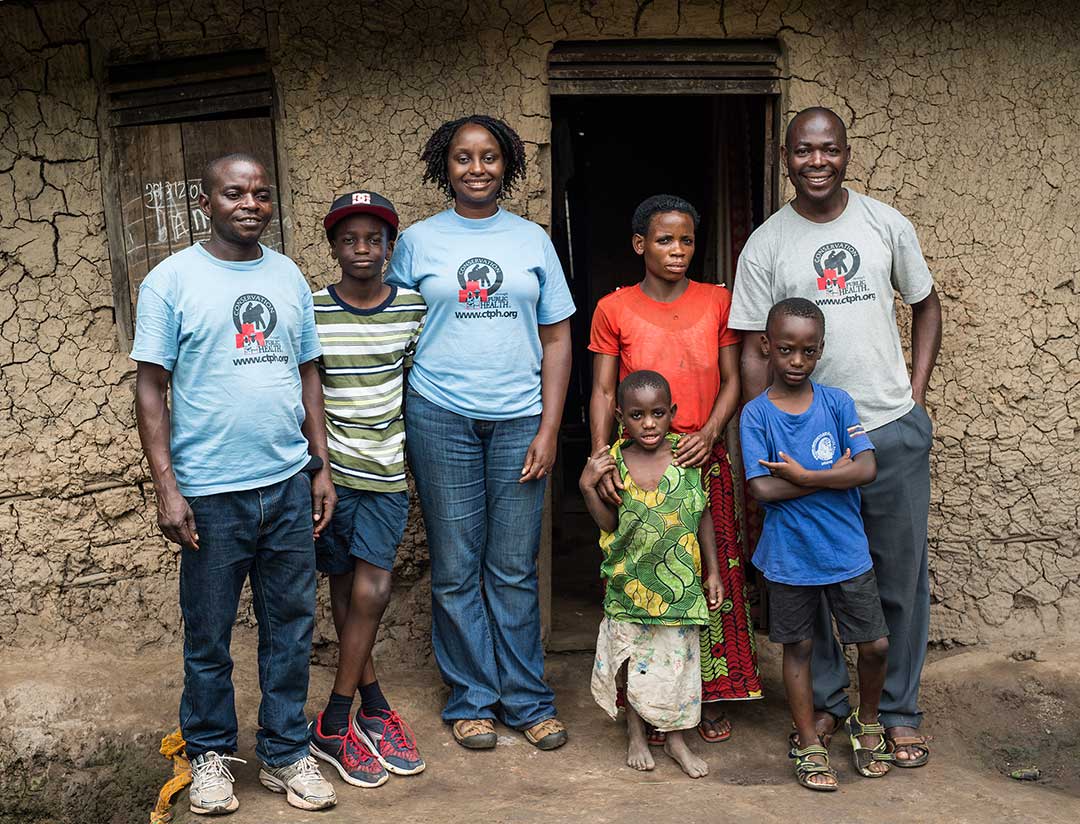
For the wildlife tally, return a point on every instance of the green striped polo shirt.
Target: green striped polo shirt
(364, 356)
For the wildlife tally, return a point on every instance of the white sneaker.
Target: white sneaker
(302, 783)
(211, 790)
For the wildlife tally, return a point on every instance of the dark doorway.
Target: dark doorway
(609, 153)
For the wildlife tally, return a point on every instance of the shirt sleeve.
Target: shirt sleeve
(755, 444)
(604, 334)
(410, 347)
(753, 295)
(910, 275)
(555, 303)
(728, 336)
(400, 270)
(157, 329)
(310, 348)
(852, 434)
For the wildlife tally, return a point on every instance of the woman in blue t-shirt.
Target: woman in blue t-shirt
(482, 417)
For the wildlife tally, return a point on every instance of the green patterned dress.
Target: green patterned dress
(652, 561)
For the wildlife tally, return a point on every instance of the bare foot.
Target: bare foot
(637, 750)
(675, 746)
(826, 724)
(638, 755)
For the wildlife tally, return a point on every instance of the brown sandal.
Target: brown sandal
(894, 743)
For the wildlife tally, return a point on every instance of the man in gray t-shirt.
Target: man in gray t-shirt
(849, 253)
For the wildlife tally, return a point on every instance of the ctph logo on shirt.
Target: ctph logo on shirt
(479, 279)
(836, 264)
(254, 318)
(824, 448)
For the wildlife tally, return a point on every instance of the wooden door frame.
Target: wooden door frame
(685, 67)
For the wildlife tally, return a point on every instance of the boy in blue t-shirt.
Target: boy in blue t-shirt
(806, 454)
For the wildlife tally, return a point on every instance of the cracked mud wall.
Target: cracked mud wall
(963, 120)
(80, 556)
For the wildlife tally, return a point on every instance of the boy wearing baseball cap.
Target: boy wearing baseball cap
(368, 331)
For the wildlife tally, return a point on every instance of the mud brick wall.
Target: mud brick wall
(963, 119)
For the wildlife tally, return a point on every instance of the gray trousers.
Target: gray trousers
(895, 509)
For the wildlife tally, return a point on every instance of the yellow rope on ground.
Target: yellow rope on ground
(172, 747)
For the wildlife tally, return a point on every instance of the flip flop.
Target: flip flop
(706, 724)
(653, 736)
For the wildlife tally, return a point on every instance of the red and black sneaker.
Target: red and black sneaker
(351, 753)
(395, 744)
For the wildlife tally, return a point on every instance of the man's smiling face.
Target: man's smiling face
(239, 203)
(816, 154)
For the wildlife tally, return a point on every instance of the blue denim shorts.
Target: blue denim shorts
(365, 525)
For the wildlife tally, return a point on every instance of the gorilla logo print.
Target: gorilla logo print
(836, 265)
(254, 318)
(479, 279)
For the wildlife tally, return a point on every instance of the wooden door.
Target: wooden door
(160, 169)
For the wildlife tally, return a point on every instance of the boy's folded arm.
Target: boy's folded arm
(769, 488)
(859, 471)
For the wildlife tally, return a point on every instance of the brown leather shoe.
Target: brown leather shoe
(549, 734)
(475, 733)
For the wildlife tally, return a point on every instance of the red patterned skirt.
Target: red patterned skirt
(729, 668)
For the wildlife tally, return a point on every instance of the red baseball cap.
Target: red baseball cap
(362, 202)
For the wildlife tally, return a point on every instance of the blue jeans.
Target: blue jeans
(264, 534)
(483, 531)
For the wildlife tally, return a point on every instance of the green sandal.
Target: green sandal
(861, 755)
(805, 768)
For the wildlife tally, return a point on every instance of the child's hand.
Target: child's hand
(714, 591)
(844, 459)
(787, 468)
(599, 464)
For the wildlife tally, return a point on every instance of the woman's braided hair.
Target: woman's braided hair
(436, 153)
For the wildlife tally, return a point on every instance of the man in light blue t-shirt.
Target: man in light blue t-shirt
(241, 475)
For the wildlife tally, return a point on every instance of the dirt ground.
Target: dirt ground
(98, 718)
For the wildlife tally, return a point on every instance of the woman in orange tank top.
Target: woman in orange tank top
(678, 327)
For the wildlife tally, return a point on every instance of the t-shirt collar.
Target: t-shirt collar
(356, 310)
(851, 196)
(239, 265)
(793, 415)
(474, 223)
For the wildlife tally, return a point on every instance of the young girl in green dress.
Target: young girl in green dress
(655, 601)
